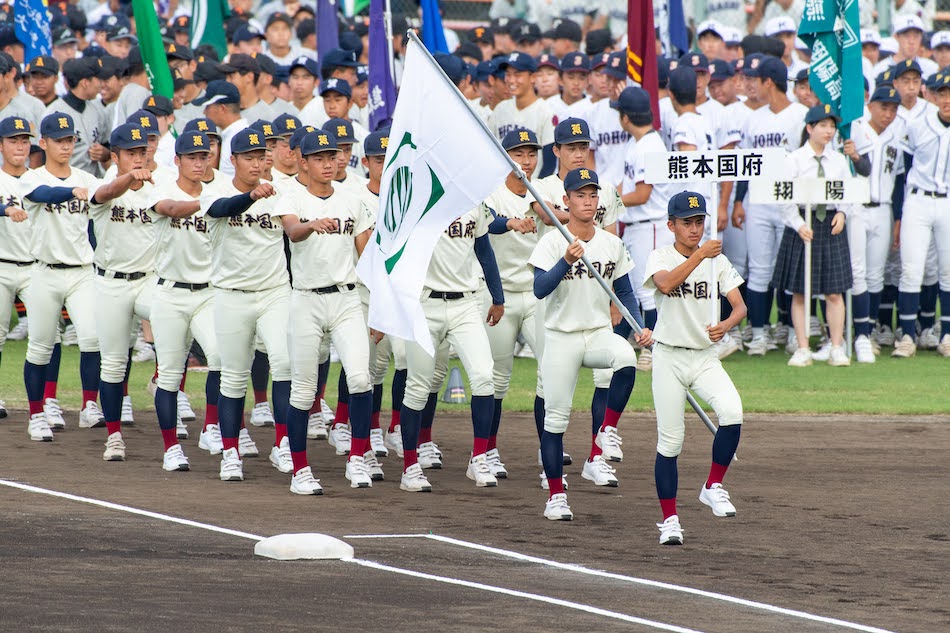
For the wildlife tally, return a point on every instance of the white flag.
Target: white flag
(439, 164)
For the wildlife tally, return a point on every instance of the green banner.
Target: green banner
(832, 29)
(207, 24)
(152, 47)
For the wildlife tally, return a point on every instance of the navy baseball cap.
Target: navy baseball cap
(219, 91)
(266, 128)
(334, 84)
(599, 61)
(338, 57)
(484, 70)
(907, 66)
(686, 204)
(127, 136)
(319, 141)
(616, 66)
(362, 74)
(720, 70)
(580, 178)
(44, 65)
(521, 137)
(519, 61)
(682, 81)
(57, 125)
(821, 112)
(245, 33)
(802, 75)
(773, 68)
(885, 78)
(307, 63)
(568, 29)
(572, 130)
(452, 66)
(548, 60)
(145, 120)
(192, 143)
(662, 72)
(174, 51)
(159, 105)
(575, 62)
(696, 61)
(376, 143)
(526, 32)
(750, 64)
(15, 126)
(286, 124)
(342, 131)
(203, 125)
(482, 35)
(76, 70)
(885, 94)
(632, 100)
(297, 137)
(247, 140)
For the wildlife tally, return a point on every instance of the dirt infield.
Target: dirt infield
(838, 517)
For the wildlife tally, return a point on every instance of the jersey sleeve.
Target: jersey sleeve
(653, 266)
(729, 279)
(363, 220)
(545, 255)
(862, 144)
(624, 262)
(683, 133)
(613, 207)
(482, 220)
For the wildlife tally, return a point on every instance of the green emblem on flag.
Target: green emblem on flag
(399, 201)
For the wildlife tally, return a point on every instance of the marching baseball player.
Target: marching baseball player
(684, 356)
(514, 235)
(926, 213)
(183, 298)
(450, 303)
(337, 99)
(578, 328)
(252, 295)
(64, 273)
(327, 230)
(346, 139)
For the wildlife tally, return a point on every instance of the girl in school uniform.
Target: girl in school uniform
(831, 263)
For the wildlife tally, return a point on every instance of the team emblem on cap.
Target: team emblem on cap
(755, 64)
(310, 128)
(695, 60)
(136, 135)
(323, 140)
(341, 130)
(384, 142)
(202, 126)
(693, 202)
(513, 57)
(301, 60)
(172, 49)
(63, 122)
(576, 129)
(522, 136)
(585, 174)
(268, 130)
(615, 62)
(151, 101)
(291, 124)
(143, 121)
(253, 139)
(480, 31)
(18, 124)
(827, 109)
(331, 83)
(197, 141)
(39, 62)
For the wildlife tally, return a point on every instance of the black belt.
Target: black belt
(872, 205)
(640, 222)
(184, 286)
(929, 194)
(63, 266)
(127, 276)
(16, 263)
(331, 289)
(446, 296)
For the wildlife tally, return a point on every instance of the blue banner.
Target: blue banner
(433, 35)
(328, 28)
(31, 24)
(679, 37)
(382, 87)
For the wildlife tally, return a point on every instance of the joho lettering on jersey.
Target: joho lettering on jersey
(614, 137)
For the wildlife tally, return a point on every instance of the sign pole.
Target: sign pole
(808, 273)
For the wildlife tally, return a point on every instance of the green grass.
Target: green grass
(890, 386)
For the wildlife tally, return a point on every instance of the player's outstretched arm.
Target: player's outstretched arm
(668, 280)
(545, 281)
(15, 214)
(230, 207)
(177, 208)
(120, 185)
(56, 195)
(486, 258)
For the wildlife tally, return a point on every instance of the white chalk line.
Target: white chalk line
(577, 606)
(640, 581)
(365, 563)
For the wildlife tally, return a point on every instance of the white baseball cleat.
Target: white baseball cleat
(127, 417)
(414, 480)
(375, 470)
(3, 409)
(232, 468)
(340, 438)
(556, 509)
(823, 353)
(727, 346)
(928, 339)
(600, 472)
(495, 465)
(394, 440)
(757, 346)
(780, 334)
(316, 427)
(717, 498)
(609, 442)
(261, 415)
(884, 335)
(839, 357)
(546, 486)
(39, 429)
(303, 483)
(792, 346)
(645, 360)
(280, 456)
(905, 347)
(181, 431)
(428, 456)
(326, 411)
(210, 439)
(115, 448)
(377, 442)
(357, 473)
(943, 348)
(175, 460)
(801, 358)
(91, 416)
(479, 472)
(246, 445)
(184, 408)
(54, 414)
(670, 531)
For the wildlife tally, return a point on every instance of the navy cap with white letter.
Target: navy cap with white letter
(686, 204)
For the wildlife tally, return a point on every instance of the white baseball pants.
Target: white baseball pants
(51, 289)
(118, 302)
(178, 316)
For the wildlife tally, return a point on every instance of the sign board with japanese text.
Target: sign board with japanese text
(809, 191)
(715, 166)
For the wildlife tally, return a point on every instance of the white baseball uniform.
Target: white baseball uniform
(609, 143)
(537, 117)
(15, 257)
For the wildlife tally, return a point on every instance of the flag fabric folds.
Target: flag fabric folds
(207, 24)
(832, 29)
(152, 47)
(382, 87)
(440, 163)
(31, 26)
(328, 27)
(433, 35)
(641, 52)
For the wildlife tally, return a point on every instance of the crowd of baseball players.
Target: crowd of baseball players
(229, 220)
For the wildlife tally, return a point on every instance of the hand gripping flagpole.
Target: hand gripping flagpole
(560, 227)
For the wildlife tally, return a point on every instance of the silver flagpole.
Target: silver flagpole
(388, 20)
(560, 227)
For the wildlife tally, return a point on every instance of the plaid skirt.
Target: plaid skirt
(830, 257)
